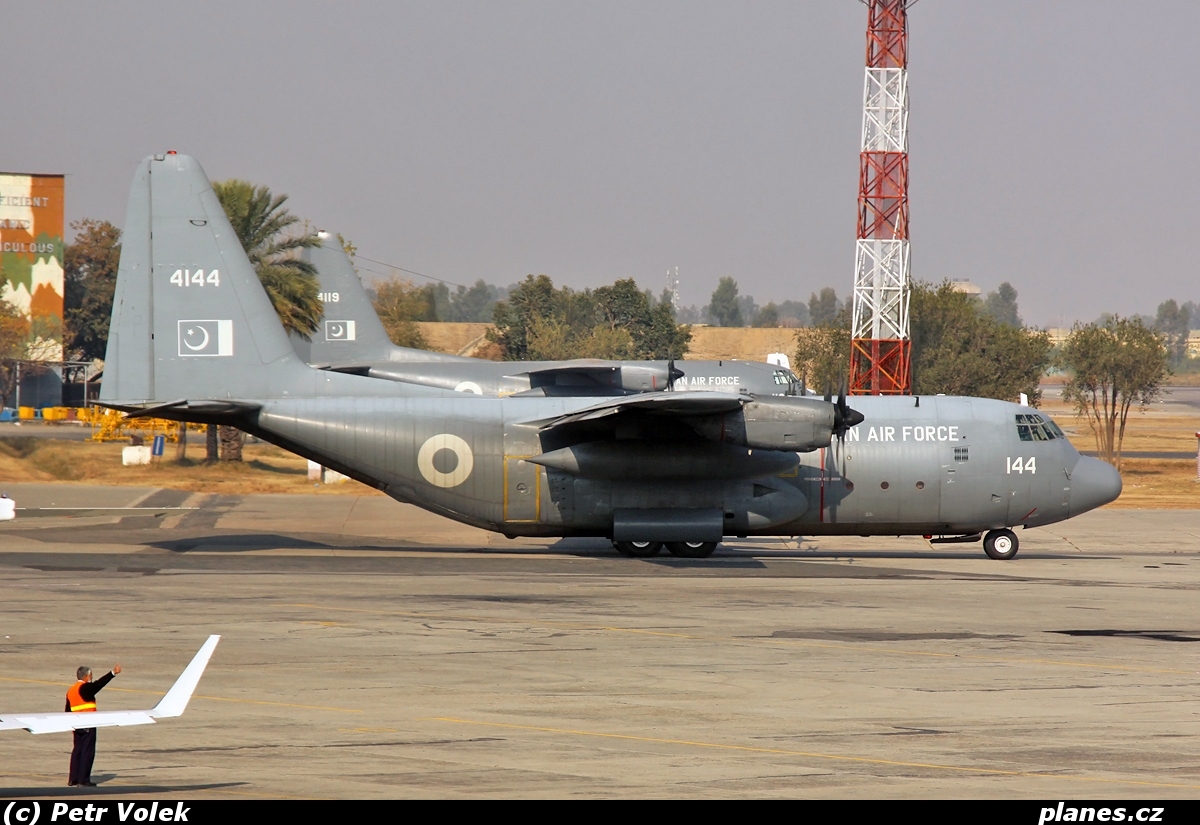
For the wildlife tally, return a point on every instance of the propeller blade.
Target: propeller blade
(844, 417)
(673, 373)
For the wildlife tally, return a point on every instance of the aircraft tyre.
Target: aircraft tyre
(638, 549)
(691, 549)
(1001, 545)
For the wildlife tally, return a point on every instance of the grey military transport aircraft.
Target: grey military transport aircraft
(194, 338)
(352, 339)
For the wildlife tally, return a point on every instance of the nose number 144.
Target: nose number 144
(1021, 465)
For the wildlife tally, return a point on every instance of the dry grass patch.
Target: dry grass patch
(1153, 483)
(266, 469)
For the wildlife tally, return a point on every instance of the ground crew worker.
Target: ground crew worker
(81, 698)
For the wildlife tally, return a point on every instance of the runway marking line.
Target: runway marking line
(196, 696)
(810, 754)
(750, 639)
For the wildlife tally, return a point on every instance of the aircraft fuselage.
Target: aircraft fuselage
(943, 466)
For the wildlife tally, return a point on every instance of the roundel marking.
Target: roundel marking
(469, 386)
(462, 452)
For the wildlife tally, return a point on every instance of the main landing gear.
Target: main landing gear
(638, 549)
(1000, 544)
(680, 549)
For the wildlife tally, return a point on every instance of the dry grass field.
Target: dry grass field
(266, 469)
(1149, 482)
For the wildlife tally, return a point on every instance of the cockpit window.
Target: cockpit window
(787, 380)
(1032, 427)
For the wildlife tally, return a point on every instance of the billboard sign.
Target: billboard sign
(31, 257)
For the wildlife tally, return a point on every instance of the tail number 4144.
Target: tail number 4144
(187, 277)
(1021, 465)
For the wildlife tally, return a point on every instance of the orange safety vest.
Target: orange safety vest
(76, 701)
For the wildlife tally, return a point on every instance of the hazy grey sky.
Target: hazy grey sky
(1052, 143)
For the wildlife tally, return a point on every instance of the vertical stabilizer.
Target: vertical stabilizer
(351, 333)
(190, 317)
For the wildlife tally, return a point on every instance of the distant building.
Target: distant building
(31, 276)
(966, 287)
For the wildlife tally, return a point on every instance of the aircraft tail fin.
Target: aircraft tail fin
(351, 333)
(190, 317)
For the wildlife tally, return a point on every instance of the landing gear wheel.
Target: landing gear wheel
(691, 549)
(638, 549)
(1000, 544)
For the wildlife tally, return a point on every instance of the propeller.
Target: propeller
(844, 417)
(673, 373)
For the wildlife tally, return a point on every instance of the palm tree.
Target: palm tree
(259, 220)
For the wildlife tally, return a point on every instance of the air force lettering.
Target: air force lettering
(339, 330)
(201, 338)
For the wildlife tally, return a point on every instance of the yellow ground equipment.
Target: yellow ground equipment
(112, 425)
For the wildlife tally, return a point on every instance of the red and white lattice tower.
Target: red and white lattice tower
(880, 348)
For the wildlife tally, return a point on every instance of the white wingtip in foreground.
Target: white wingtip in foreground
(173, 704)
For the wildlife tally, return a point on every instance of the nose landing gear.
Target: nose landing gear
(1000, 544)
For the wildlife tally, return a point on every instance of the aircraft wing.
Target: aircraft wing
(673, 404)
(171, 705)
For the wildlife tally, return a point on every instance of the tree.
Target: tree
(822, 359)
(1173, 322)
(959, 349)
(793, 314)
(1001, 305)
(768, 316)
(531, 299)
(260, 222)
(748, 308)
(1113, 366)
(539, 322)
(724, 306)
(652, 329)
(823, 308)
(475, 304)
(14, 342)
(399, 305)
(89, 281)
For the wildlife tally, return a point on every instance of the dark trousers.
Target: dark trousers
(83, 755)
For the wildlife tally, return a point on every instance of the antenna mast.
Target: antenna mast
(880, 348)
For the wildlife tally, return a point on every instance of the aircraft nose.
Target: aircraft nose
(1094, 483)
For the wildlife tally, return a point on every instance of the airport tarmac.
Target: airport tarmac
(372, 650)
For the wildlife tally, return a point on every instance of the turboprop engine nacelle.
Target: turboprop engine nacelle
(776, 423)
